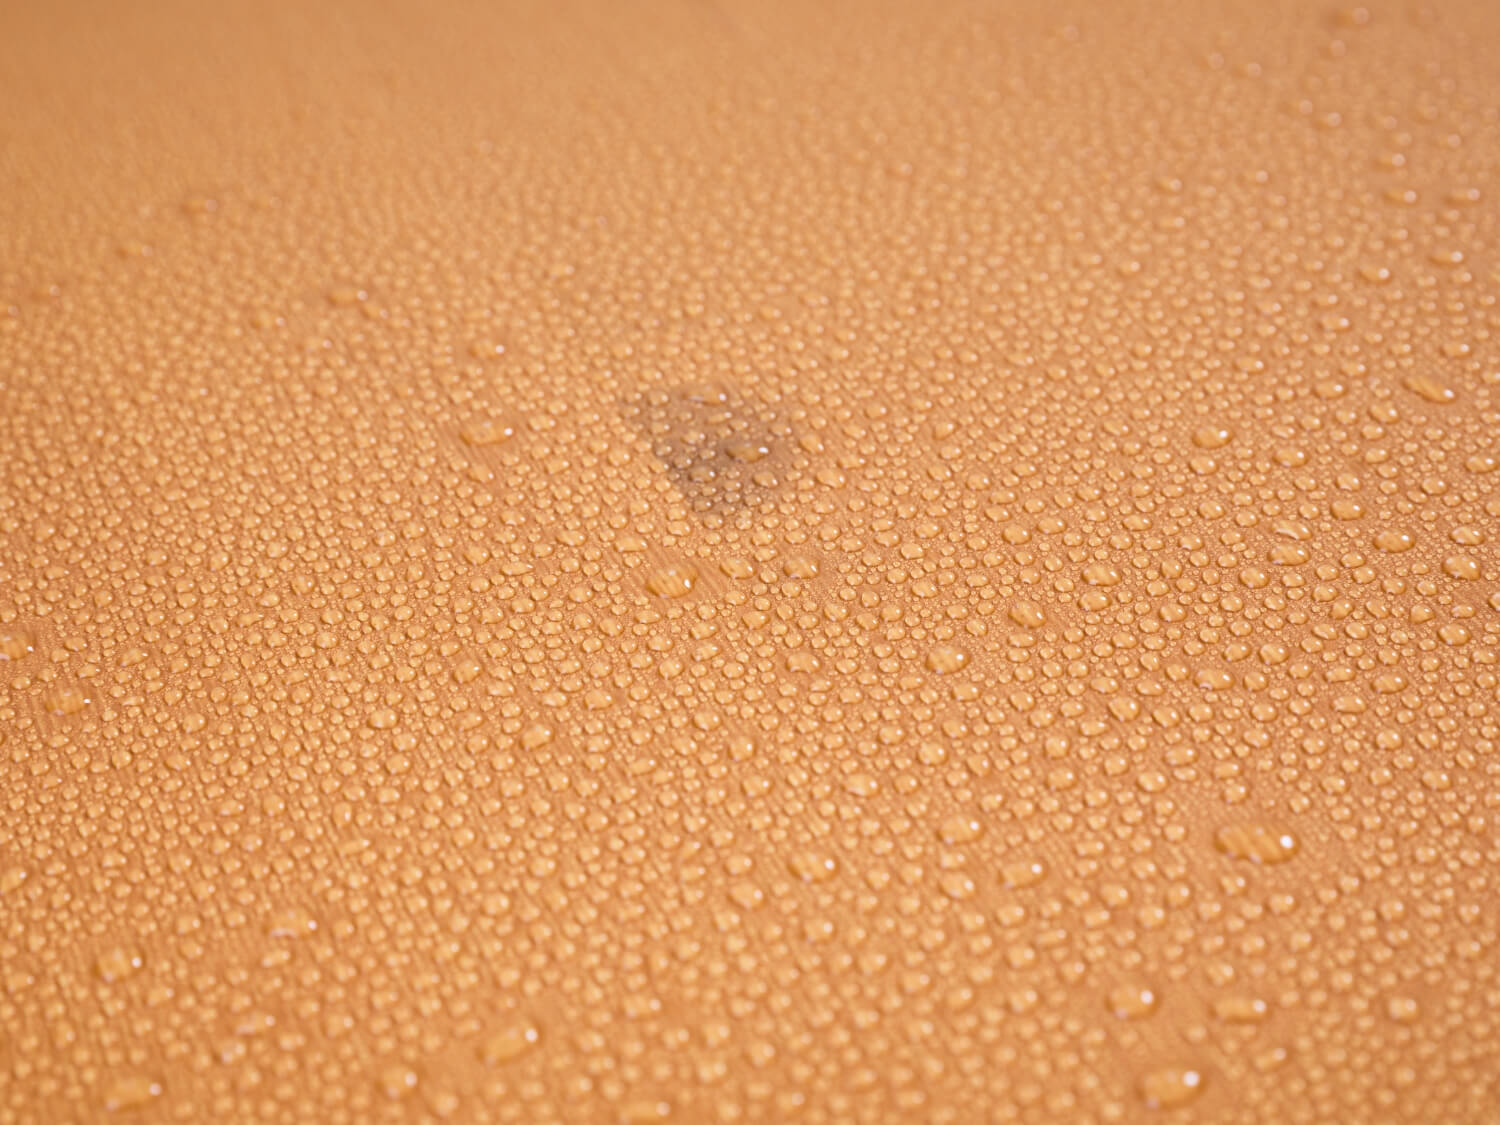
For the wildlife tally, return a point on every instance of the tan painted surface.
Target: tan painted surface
(754, 562)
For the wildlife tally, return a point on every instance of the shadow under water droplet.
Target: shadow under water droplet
(723, 451)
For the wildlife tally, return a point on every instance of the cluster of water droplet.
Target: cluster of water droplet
(918, 576)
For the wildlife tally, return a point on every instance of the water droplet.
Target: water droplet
(397, 1080)
(1171, 1087)
(131, 1092)
(1132, 1001)
(117, 964)
(486, 432)
(1029, 615)
(946, 659)
(15, 643)
(1256, 842)
(509, 1043)
(1431, 389)
(812, 867)
(1462, 567)
(645, 1110)
(1022, 873)
(675, 581)
(66, 701)
(960, 830)
(1240, 1009)
(1212, 437)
